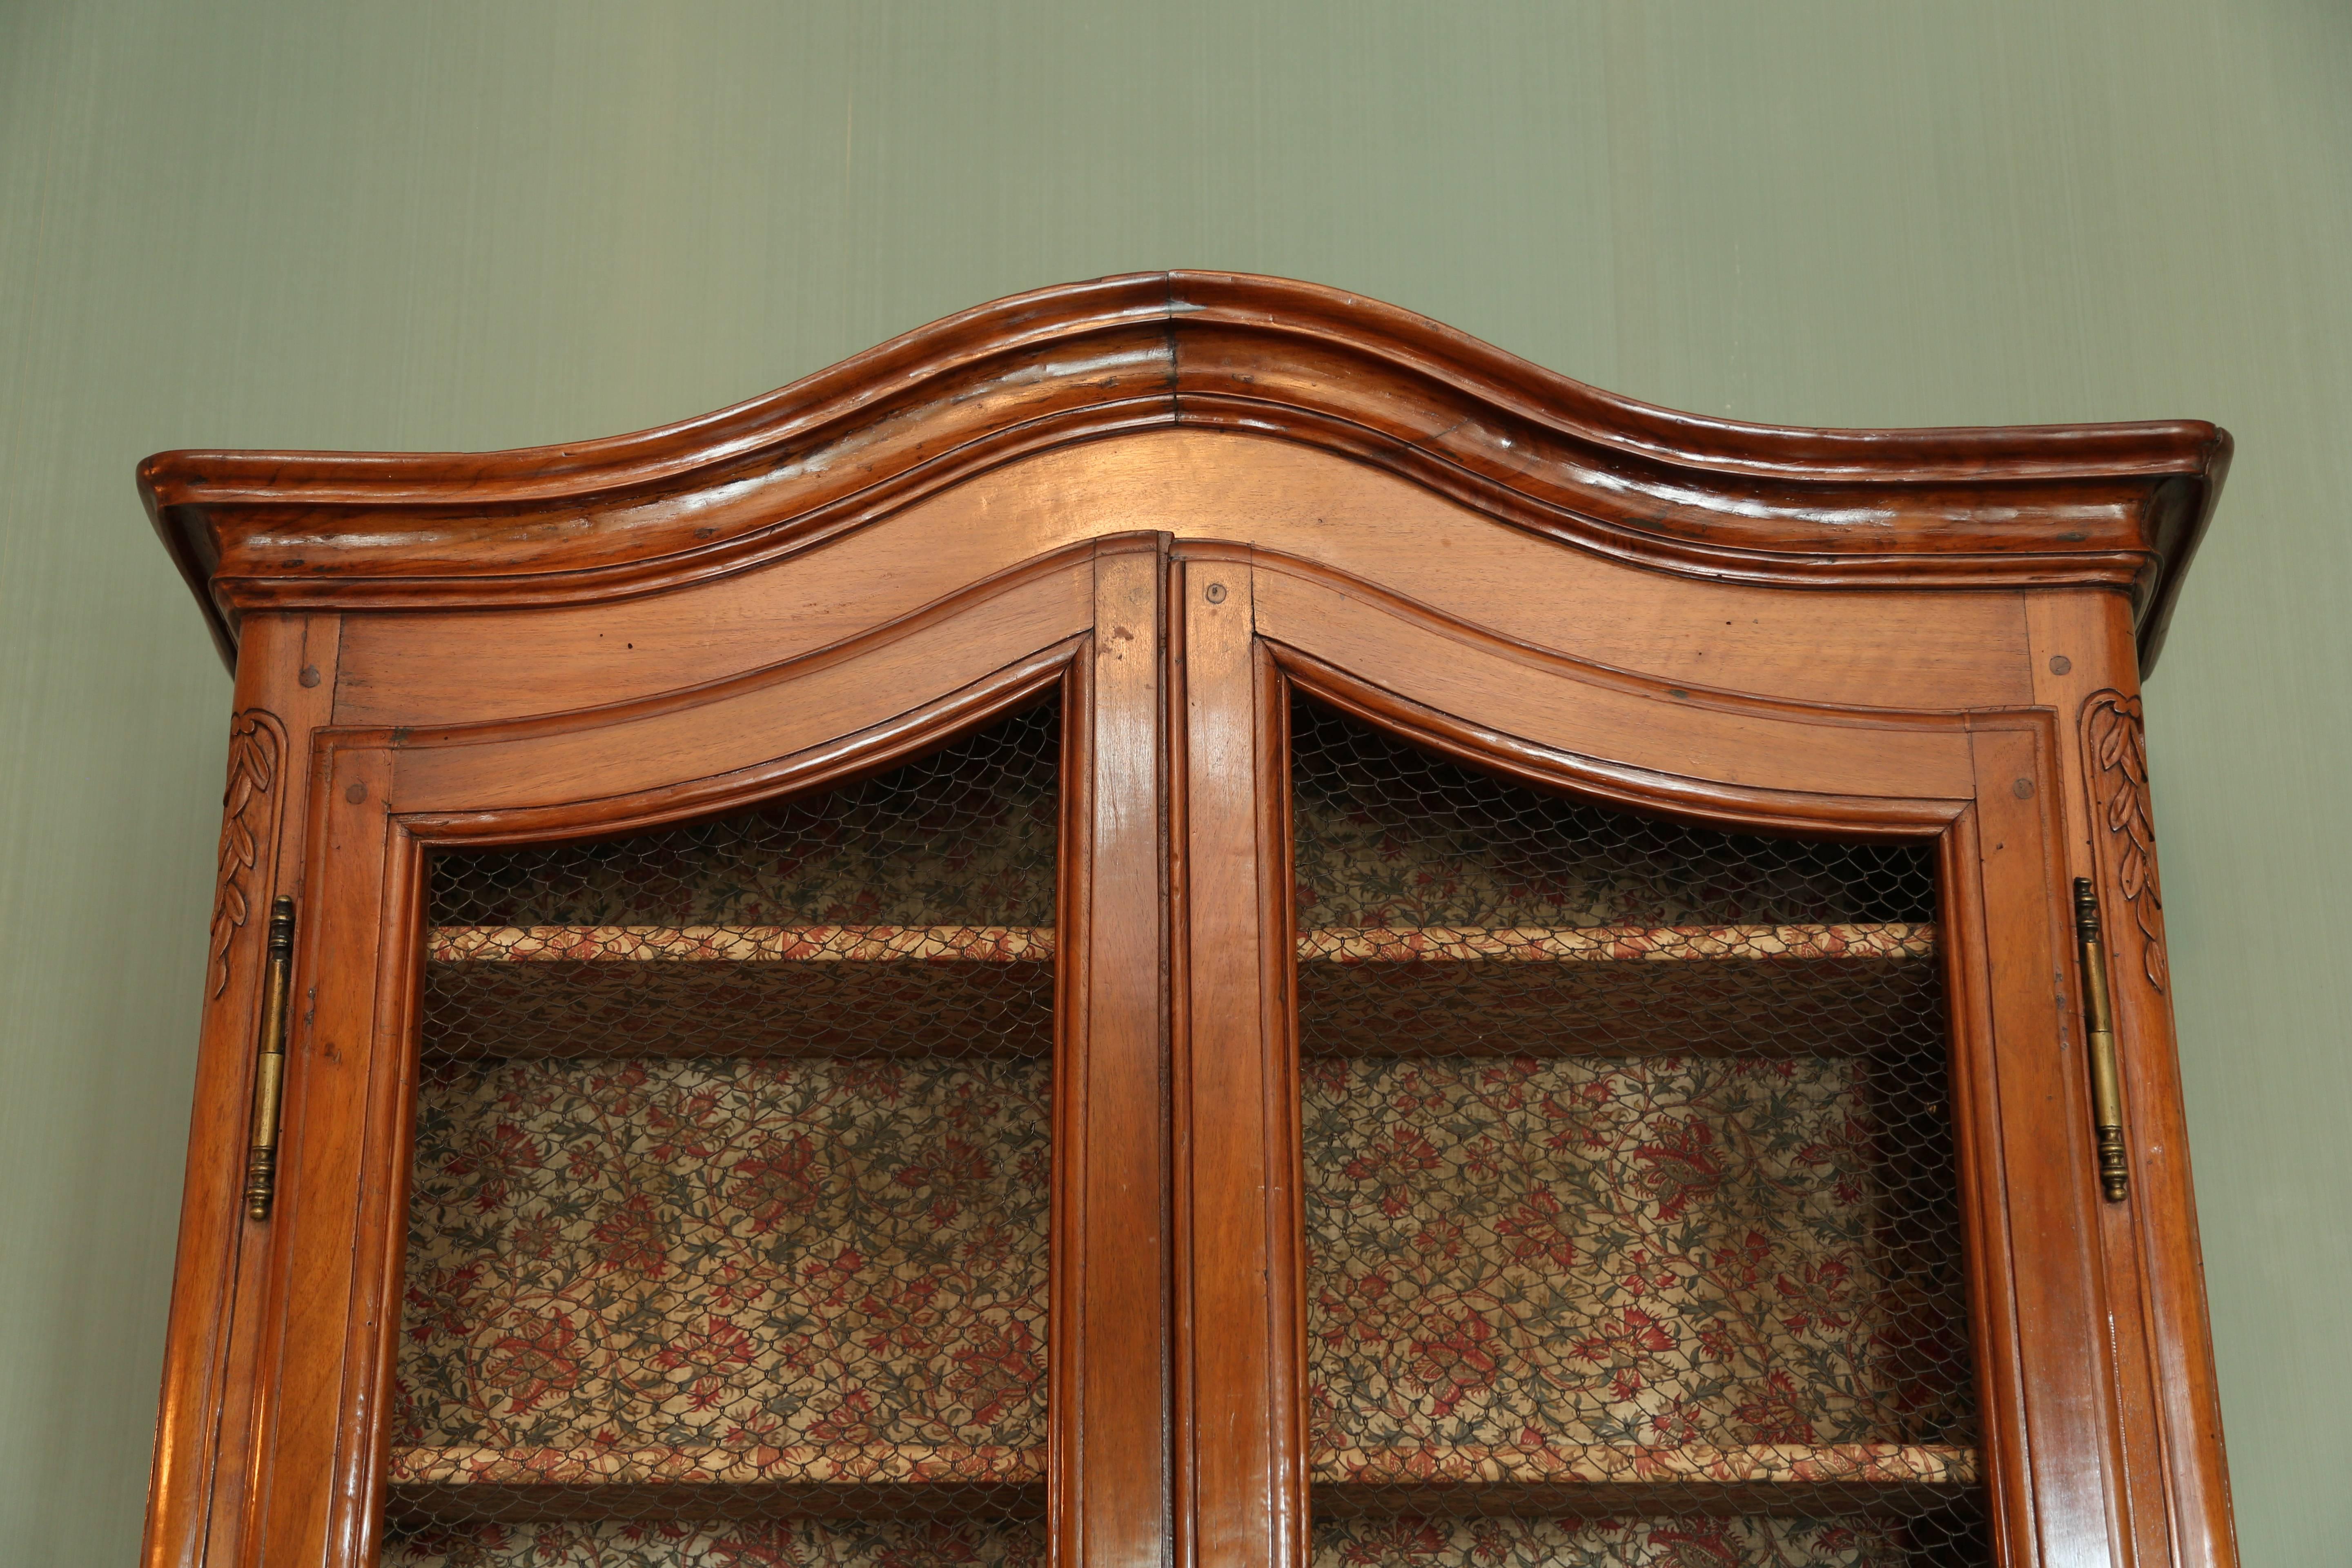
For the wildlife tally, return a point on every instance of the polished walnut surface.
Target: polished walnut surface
(1178, 504)
(2120, 505)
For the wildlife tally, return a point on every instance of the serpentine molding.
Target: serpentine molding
(2115, 506)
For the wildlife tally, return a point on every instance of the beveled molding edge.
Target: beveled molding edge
(2113, 506)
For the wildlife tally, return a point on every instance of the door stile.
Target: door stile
(1287, 1275)
(1241, 1446)
(383, 1264)
(1182, 1539)
(1108, 1370)
(1976, 1122)
(331, 1312)
(2052, 1273)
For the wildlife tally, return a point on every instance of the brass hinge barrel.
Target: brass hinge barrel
(270, 1063)
(2106, 1080)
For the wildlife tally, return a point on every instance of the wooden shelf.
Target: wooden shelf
(1789, 1480)
(1850, 943)
(1803, 1480)
(740, 945)
(1774, 990)
(1782, 944)
(1818, 989)
(1809, 945)
(475, 1485)
(521, 991)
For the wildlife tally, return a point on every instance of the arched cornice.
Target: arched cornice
(2118, 505)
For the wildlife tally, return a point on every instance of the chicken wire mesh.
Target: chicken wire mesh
(727, 1239)
(1632, 1224)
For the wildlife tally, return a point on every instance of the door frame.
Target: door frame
(1984, 784)
(1082, 621)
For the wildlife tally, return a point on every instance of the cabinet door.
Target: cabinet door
(712, 1128)
(730, 1189)
(1669, 1149)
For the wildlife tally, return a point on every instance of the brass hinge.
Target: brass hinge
(270, 1065)
(2107, 1081)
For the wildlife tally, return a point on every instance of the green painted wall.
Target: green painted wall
(433, 224)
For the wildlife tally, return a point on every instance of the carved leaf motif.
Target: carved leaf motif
(256, 744)
(2115, 737)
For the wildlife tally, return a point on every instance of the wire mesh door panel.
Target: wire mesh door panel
(1632, 1226)
(727, 1239)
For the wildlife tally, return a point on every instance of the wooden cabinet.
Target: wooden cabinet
(1190, 921)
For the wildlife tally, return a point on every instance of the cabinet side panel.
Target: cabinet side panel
(208, 1384)
(2066, 631)
(2087, 670)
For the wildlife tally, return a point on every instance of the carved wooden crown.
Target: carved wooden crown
(2118, 505)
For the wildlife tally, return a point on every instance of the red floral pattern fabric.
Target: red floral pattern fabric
(764, 1544)
(727, 1268)
(731, 1185)
(1517, 1264)
(1747, 1541)
(967, 838)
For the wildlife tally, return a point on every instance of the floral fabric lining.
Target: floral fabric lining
(776, 1265)
(763, 1543)
(1516, 1263)
(1747, 1542)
